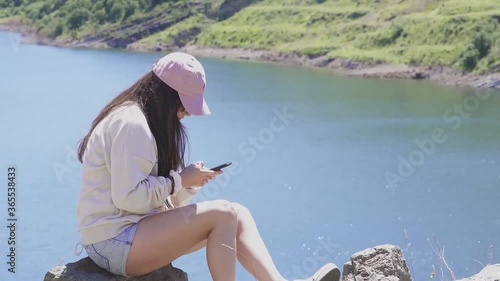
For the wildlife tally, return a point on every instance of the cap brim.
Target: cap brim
(195, 105)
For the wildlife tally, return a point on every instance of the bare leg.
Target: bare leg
(197, 247)
(252, 252)
(163, 237)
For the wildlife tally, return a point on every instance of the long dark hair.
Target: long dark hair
(159, 103)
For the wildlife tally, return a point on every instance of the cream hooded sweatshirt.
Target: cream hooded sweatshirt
(120, 185)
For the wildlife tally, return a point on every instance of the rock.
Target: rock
(489, 273)
(380, 263)
(489, 82)
(86, 270)
(419, 75)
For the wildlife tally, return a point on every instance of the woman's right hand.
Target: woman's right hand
(196, 175)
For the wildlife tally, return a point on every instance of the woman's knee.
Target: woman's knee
(241, 210)
(224, 210)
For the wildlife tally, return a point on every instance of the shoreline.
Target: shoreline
(443, 75)
(346, 67)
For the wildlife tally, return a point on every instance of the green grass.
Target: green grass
(417, 32)
(173, 33)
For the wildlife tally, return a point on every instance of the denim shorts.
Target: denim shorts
(112, 254)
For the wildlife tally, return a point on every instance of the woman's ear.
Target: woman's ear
(179, 112)
(182, 112)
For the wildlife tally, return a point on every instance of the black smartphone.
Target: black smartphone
(218, 168)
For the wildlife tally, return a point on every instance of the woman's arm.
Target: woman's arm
(183, 197)
(131, 160)
(133, 189)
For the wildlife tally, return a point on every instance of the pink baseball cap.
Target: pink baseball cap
(185, 74)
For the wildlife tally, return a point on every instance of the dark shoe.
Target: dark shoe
(329, 272)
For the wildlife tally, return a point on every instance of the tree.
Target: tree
(100, 16)
(77, 18)
(4, 4)
(116, 13)
(56, 28)
(130, 8)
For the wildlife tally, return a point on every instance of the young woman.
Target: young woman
(133, 212)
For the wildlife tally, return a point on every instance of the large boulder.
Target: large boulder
(489, 273)
(86, 270)
(380, 263)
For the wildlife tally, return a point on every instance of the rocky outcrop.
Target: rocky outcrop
(128, 35)
(123, 35)
(489, 273)
(489, 82)
(228, 8)
(380, 263)
(178, 40)
(86, 270)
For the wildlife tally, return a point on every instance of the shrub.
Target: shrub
(469, 58)
(482, 43)
(475, 51)
(314, 52)
(386, 37)
(73, 34)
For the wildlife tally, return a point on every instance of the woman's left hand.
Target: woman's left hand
(210, 175)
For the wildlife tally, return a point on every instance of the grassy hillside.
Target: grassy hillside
(79, 18)
(459, 33)
(432, 32)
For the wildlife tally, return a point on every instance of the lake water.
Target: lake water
(319, 159)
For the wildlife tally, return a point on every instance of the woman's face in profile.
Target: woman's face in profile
(182, 112)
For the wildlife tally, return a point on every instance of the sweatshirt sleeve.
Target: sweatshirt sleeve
(183, 197)
(132, 158)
